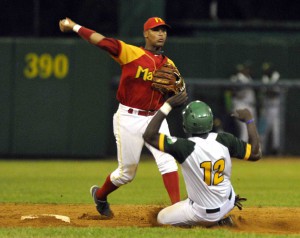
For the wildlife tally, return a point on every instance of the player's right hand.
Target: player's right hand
(178, 99)
(66, 25)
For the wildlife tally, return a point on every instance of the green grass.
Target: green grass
(268, 182)
(129, 233)
(70, 181)
(264, 183)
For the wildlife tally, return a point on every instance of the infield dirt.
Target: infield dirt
(272, 220)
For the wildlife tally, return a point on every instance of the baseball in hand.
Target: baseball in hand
(66, 22)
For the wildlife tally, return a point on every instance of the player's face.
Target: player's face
(157, 36)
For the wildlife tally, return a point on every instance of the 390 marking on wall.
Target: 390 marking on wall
(45, 66)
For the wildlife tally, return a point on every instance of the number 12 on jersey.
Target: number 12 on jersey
(215, 169)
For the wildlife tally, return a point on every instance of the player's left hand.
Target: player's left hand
(178, 99)
(168, 80)
(66, 25)
(242, 114)
(238, 200)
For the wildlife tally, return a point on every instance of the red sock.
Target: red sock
(107, 188)
(171, 181)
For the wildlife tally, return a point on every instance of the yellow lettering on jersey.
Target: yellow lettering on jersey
(219, 167)
(146, 75)
(215, 169)
(149, 76)
(206, 165)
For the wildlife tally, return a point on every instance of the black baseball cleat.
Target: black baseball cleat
(227, 221)
(102, 206)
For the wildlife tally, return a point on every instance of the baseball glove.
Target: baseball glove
(168, 80)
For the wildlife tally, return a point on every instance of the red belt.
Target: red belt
(142, 113)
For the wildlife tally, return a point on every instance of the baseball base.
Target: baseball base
(59, 217)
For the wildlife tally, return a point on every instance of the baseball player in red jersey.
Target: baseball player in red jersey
(205, 160)
(138, 103)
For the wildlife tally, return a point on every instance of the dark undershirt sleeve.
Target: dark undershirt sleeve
(237, 148)
(179, 148)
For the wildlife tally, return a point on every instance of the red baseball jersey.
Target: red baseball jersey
(137, 66)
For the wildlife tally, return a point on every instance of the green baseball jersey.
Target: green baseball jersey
(206, 164)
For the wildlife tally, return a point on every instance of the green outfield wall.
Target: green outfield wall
(57, 97)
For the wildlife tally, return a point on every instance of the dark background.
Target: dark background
(39, 18)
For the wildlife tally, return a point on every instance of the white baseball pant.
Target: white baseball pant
(128, 131)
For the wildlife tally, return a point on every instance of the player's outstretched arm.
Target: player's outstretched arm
(67, 25)
(244, 115)
(151, 135)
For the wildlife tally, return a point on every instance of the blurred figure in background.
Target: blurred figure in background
(243, 97)
(269, 123)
